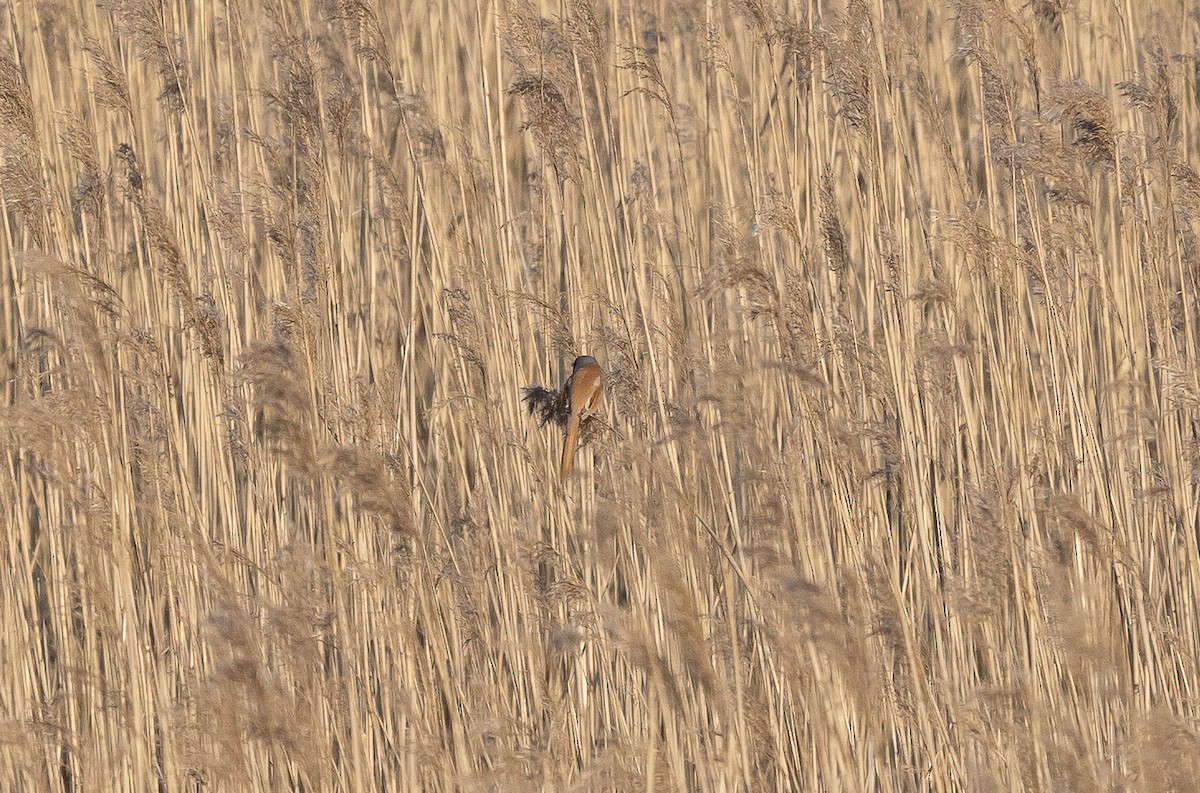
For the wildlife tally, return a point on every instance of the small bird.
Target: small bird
(580, 398)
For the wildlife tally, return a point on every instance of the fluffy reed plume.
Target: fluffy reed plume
(546, 403)
(898, 486)
(21, 165)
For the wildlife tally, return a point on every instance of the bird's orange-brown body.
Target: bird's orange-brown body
(581, 396)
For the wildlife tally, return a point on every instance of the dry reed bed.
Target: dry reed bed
(898, 303)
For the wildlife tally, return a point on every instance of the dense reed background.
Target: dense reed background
(898, 483)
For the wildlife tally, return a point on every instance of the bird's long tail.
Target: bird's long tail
(569, 440)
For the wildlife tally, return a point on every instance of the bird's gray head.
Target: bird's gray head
(583, 361)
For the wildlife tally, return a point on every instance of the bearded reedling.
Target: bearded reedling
(580, 398)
